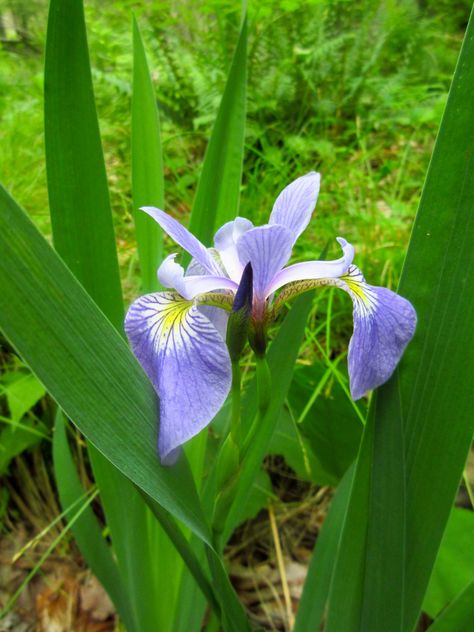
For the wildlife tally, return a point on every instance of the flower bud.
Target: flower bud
(239, 319)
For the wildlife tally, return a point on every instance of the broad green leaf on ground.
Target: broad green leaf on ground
(77, 181)
(22, 391)
(218, 192)
(288, 442)
(16, 439)
(454, 567)
(421, 426)
(147, 165)
(87, 530)
(459, 615)
(88, 367)
(330, 427)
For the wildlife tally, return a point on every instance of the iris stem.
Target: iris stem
(264, 384)
(235, 425)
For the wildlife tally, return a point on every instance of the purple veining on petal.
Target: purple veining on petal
(225, 242)
(184, 238)
(187, 362)
(268, 248)
(295, 204)
(382, 330)
(314, 269)
(218, 317)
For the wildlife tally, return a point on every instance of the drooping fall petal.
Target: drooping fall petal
(384, 323)
(185, 359)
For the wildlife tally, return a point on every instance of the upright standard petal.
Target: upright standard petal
(225, 242)
(171, 275)
(314, 269)
(268, 248)
(295, 204)
(384, 323)
(186, 360)
(184, 238)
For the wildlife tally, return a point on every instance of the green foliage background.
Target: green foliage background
(354, 89)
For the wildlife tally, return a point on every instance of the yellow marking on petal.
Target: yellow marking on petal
(356, 287)
(173, 315)
(223, 300)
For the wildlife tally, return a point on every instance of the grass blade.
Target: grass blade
(88, 367)
(147, 165)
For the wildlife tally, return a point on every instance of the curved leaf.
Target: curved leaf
(85, 364)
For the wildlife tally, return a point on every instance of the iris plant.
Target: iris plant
(179, 336)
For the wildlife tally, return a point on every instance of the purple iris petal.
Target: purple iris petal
(295, 204)
(225, 242)
(268, 248)
(384, 323)
(171, 274)
(315, 269)
(216, 315)
(184, 238)
(187, 362)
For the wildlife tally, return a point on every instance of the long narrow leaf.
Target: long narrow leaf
(85, 364)
(217, 201)
(77, 182)
(422, 422)
(218, 193)
(165, 572)
(147, 165)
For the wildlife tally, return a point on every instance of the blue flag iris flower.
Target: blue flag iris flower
(178, 336)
